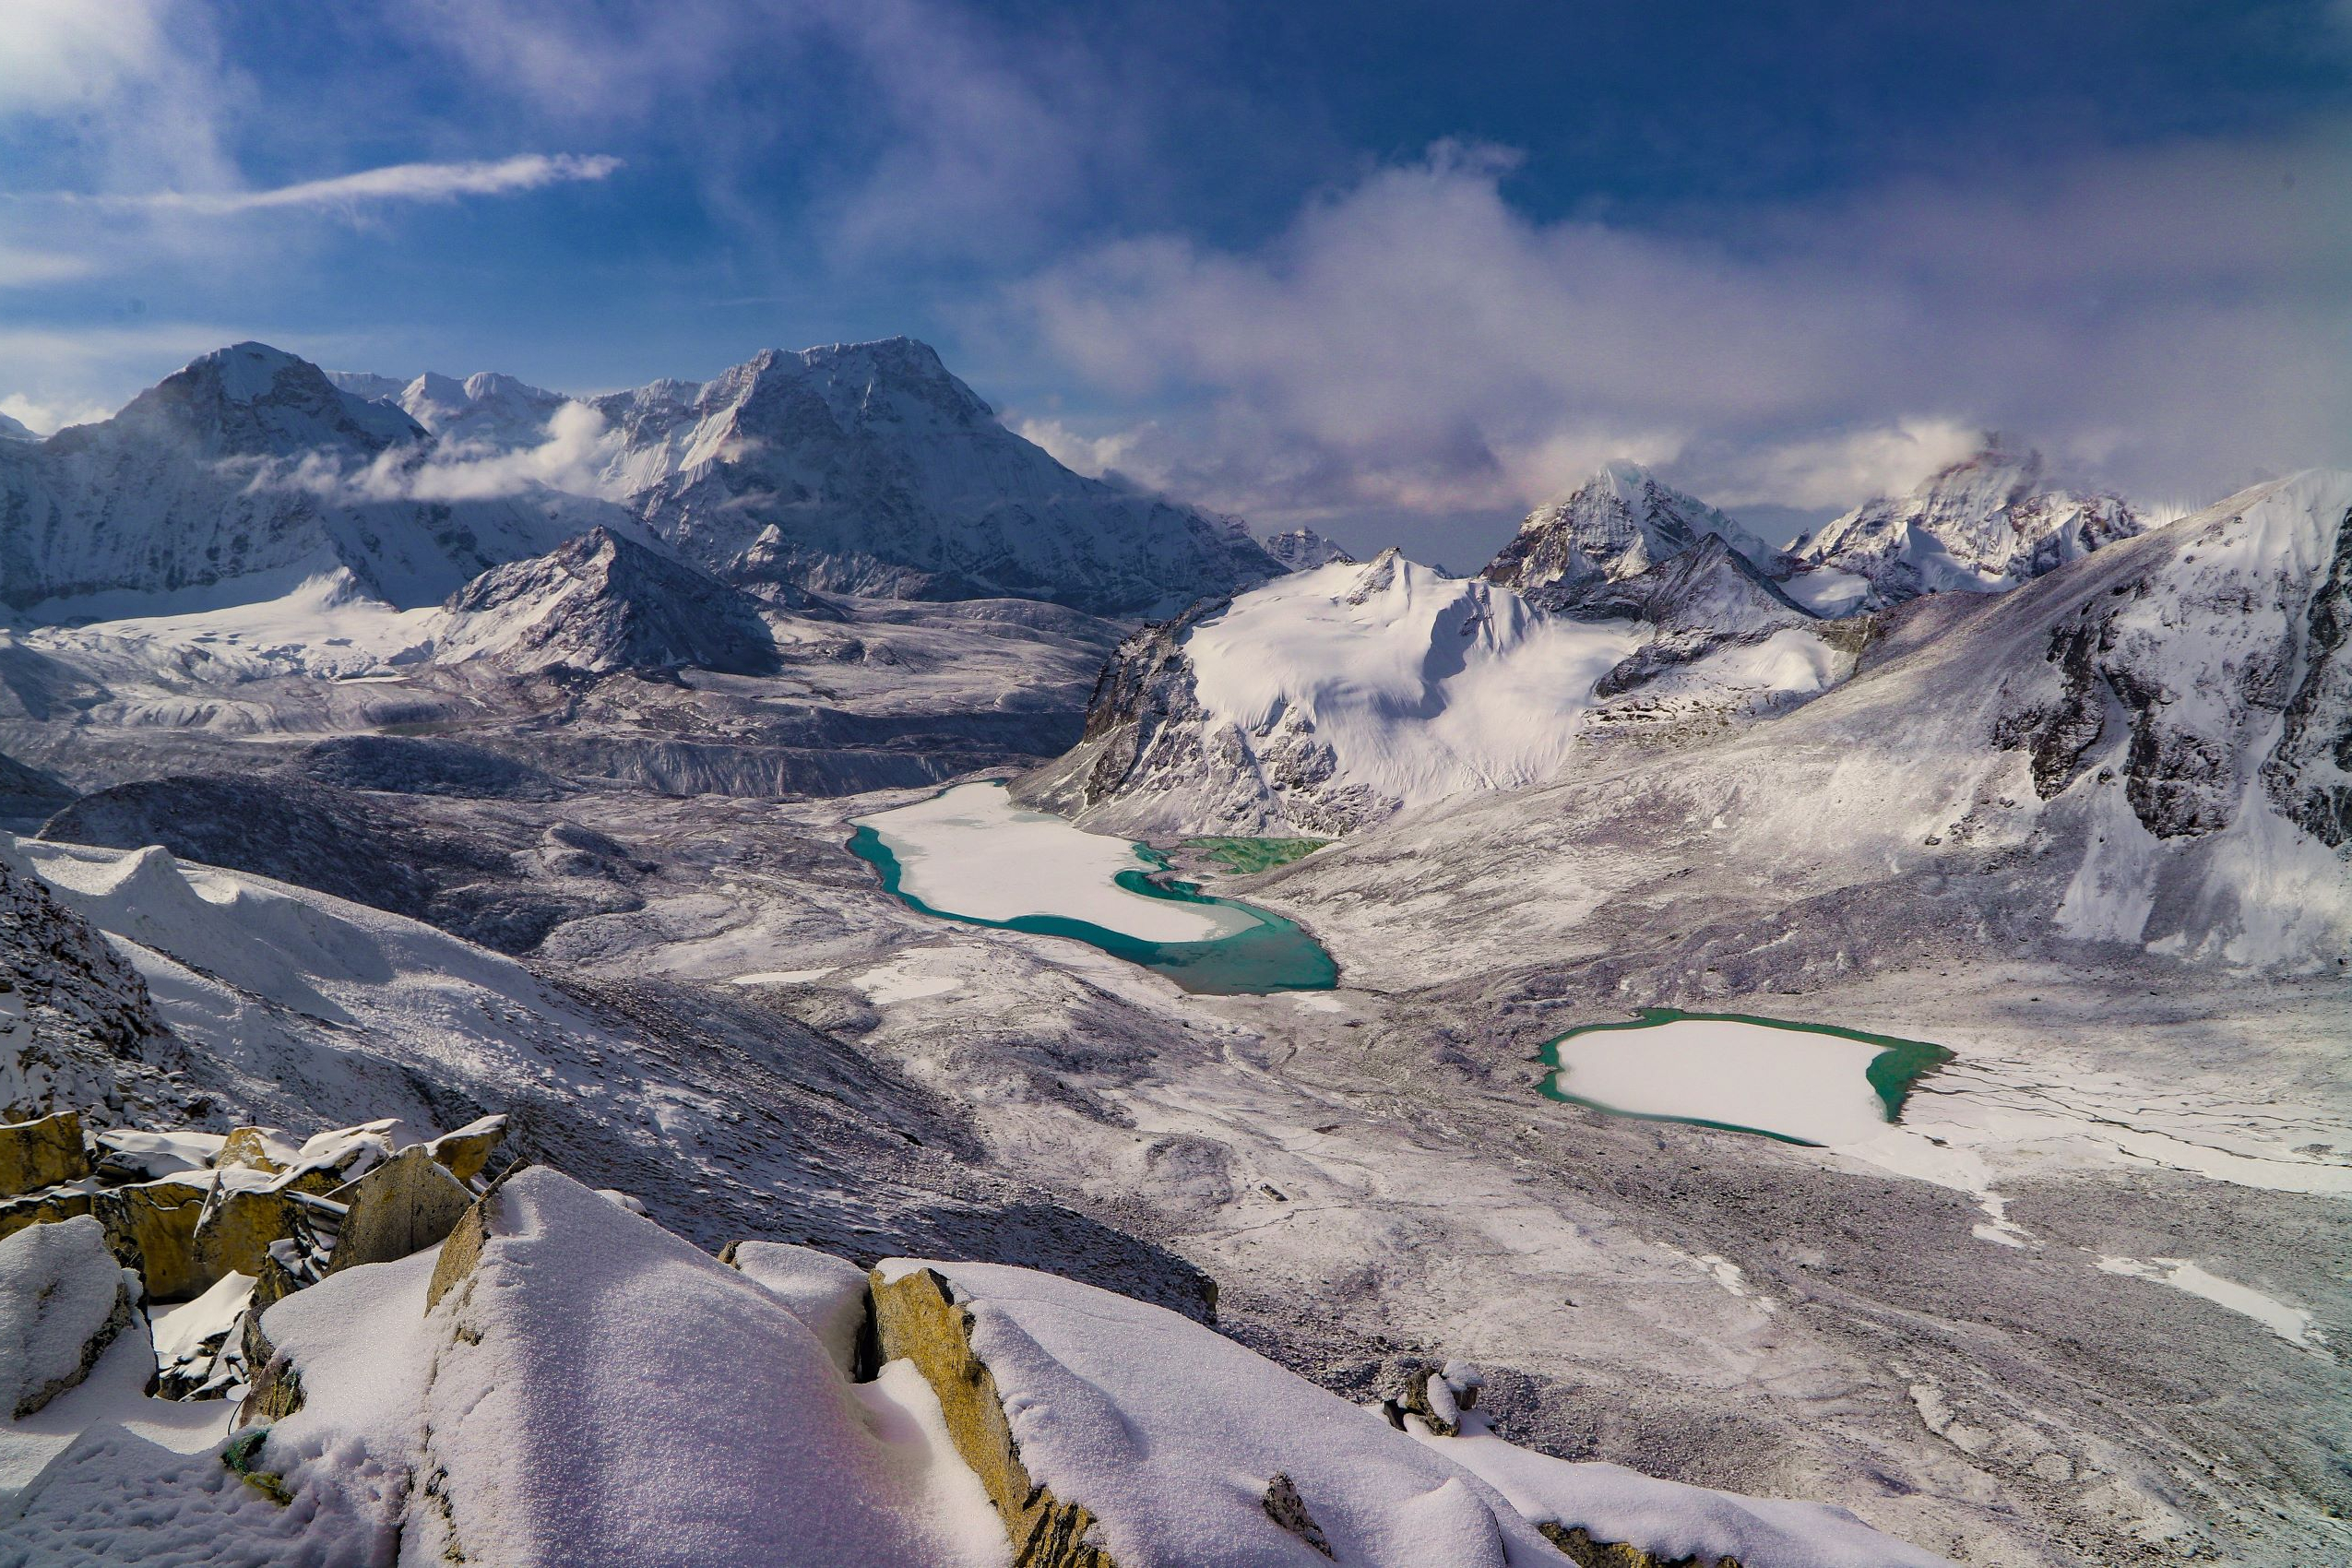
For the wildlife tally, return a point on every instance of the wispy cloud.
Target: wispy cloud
(397, 182)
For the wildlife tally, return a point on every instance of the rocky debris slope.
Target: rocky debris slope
(1329, 700)
(505, 889)
(76, 1020)
(561, 1380)
(602, 602)
(867, 467)
(235, 478)
(1618, 523)
(1983, 525)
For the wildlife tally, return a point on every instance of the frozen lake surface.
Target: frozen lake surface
(1809, 1084)
(970, 854)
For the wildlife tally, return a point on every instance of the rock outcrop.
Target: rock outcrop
(64, 1299)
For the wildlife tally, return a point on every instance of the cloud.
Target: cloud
(2175, 317)
(397, 182)
(46, 418)
(21, 267)
(570, 458)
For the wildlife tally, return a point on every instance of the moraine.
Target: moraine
(970, 854)
(1800, 1083)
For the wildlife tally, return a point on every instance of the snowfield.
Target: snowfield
(1419, 686)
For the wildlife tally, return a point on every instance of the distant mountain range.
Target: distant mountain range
(863, 468)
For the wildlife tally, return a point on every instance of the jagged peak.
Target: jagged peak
(247, 372)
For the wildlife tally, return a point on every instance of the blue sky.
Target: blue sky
(1396, 270)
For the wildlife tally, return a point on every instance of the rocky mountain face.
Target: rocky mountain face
(2145, 747)
(868, 469)
(1618, 523)
(1302, 550)
(1981, 526)
(237, 478)
(601, 603)
(1329, 700)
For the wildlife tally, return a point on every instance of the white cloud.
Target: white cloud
(570, 459)
(46, 418)
(1840, 467)
(397, 182)
(2174, 317)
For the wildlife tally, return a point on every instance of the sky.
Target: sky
(1397, 271)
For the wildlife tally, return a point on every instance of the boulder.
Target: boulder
(151, 1225)
(466, 1151)
(403, 1206)
(41, 1209)
(240, 1222)
(917, 1317)
(40, 1154)
(251, 1147)
(63, 1301)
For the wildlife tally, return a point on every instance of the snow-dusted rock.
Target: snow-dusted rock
(602, 602)
(42, 1153)
(1619, 522)
(1302, 550)
(867, 467)
(824, 1291)
(1112, 1434)
(71, 1008)
(1981, 526)
(593, 1390)
(63, 1301)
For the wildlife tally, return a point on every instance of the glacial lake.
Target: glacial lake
(1800, 1083)
(970, 854)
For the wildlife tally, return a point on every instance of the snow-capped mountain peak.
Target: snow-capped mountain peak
(252, 400)
(1985, 524)
(1619, 521)
(487, 408)
(869, 468)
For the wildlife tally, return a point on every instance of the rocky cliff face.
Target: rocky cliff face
(1619, 523)
(1329, 700)
(868, 469)
(1981, 526)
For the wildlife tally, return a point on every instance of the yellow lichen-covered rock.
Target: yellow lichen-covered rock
(1586, 1553)
(151, 1225)
(461, 1249)
(40, 1208)
(466, 1151)
(240, 1222)
(249, 1147)
(40, 1154)
(403, 1206)
(917, 1317)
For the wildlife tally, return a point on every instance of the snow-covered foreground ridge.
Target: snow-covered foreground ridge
(527, 1372)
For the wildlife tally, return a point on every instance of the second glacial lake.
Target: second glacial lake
(1801, 1082)
(970, 854)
